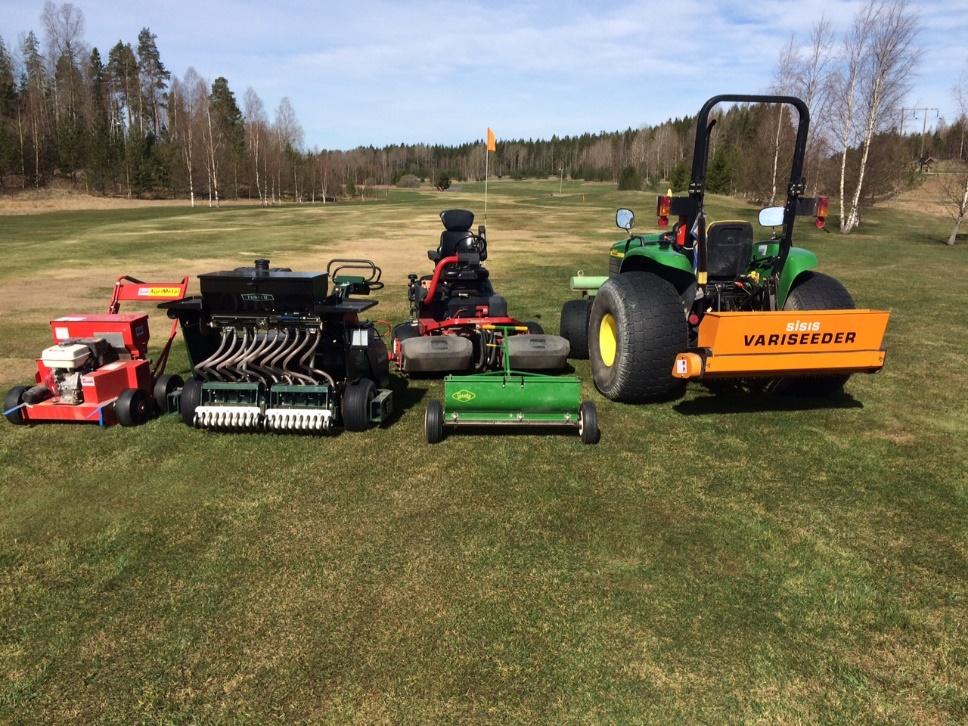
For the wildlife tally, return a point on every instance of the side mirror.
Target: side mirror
(624, 218)
(771, 217)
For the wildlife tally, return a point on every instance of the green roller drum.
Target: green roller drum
(512, 398)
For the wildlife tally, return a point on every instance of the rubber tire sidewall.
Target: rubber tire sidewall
(165, 384)
(816, 291)
(434, 422)
(14, 397)
(191, 398)
(534, 327)
(651, 330)
(355, 405)
(590, 433)
(132, 407)
(575, 316)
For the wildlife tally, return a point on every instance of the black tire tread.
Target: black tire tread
(356, 404)
(652, 331)
(434, 422)
(574, 326)
(14, 397)
(816, 291)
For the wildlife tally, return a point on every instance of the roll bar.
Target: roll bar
(700, 159)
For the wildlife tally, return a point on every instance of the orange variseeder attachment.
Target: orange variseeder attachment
(746, 345)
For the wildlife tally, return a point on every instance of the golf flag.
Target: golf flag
(491, 141)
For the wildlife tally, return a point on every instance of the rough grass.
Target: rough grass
(712, 559)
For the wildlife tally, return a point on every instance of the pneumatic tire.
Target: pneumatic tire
(434, 422)
(356, 404)
(636, 329)
(816, 291)
(588, 423)
(191, 398)
(165, 385)
(574, 326)
(132, 407)
(14, 397)
(534, 327)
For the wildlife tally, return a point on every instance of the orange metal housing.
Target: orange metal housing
(742, 345)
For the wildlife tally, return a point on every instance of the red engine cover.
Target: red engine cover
(127, 330)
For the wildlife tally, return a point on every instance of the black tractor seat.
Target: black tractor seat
(729, 249)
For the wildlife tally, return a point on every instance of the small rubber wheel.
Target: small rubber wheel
(434, 422)
(14, 397)
(574, 326)
(191, 398)
(356, 404)
(534, 327)
(132, 407)
(588, 423)
(165, 385)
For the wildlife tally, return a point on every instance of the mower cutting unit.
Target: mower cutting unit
(511, 398)
(457, 321)
(704, 301)
(277, 350)
(98, 369)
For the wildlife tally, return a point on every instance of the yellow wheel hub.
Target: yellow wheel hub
(607, 339)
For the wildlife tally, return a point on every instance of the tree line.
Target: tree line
(122, 123)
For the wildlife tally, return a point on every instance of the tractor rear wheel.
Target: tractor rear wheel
(574, 326)
(14, 397)
(434, 422)
(356, 404)
(816, 291)
(635, 331)
(132, 407)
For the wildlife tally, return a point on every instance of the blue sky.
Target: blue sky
(364, 72)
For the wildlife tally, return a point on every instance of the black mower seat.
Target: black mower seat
(729, 249)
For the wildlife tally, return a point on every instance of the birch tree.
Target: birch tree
(256, 125)
(955, 186)
(883, 79)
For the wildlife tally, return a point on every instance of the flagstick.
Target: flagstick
(485, 182)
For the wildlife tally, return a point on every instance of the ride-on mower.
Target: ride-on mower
(703, 301)
(98, 369)
(511, 398)
(457, 322)
(277, 350)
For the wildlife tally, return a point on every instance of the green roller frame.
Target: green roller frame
(511, 398)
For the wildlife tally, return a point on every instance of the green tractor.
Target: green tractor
(704, 301)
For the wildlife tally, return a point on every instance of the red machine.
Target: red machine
(457, 321)
(98, 369)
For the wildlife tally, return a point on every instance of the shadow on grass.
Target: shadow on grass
(758, 402)
(405, 397)
(512, 430)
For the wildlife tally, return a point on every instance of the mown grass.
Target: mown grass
(712, 559)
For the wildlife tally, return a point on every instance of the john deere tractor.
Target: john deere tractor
(704, 300)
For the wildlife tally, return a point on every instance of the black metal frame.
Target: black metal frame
(693, 209)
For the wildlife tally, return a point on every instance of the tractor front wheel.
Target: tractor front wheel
(574, 326)
(816, 291)
(635, 331)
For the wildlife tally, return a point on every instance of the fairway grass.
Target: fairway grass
(711, 559)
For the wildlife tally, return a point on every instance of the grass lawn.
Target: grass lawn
(712, 559)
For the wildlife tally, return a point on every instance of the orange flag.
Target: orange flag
(491, 141)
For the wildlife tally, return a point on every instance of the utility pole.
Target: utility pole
(924, 126)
